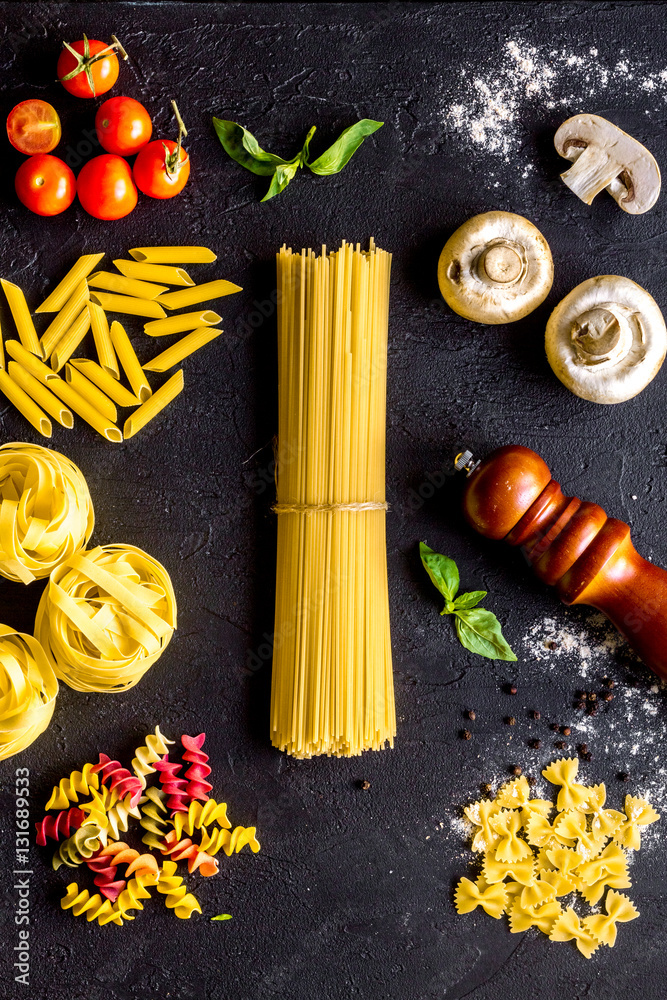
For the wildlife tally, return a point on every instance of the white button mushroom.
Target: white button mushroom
(606, 340)
(496, 268)
(606, 157)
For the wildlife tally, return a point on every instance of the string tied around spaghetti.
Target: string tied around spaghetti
(318, 508)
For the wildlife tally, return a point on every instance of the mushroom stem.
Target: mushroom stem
(592, 171)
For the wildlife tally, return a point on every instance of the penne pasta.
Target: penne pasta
(105, 352)
(87, 412)
(199, 293)
(109, 385)
(154, 272)
(65, 289)
(62, 322)
(180, 323)
(173, 255)
(127, 304)
(24, 404)
(126, 286)
(89, 391)
(68, 343)
(130, 363)
(22, 318)
(150, 409)
(28, 361)
(182, 349)
(42, 396)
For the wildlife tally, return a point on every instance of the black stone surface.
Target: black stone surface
(351, 894)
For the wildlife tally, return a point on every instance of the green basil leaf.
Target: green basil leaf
(335, 157)
(442, 571)
(244, 148)
(283, 175)
(222, 916)
(306, 146)
(479, 631)
(469, 600)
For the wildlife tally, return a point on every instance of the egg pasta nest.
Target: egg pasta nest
(105, 617)
(98, 805)
(531, 861)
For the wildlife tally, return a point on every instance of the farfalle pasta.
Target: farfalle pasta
(46, 514)
(530, 861)
(28, 689)
(192, 829)
(105, 617)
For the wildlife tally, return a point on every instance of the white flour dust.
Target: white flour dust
(587, 646)
(487, 106)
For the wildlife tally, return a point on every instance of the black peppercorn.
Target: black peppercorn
(592, 696)
(516, 770)
(536, 714)
(364, 785)
(485, 789)
(554, 726)
(560, 744)
(535, 744)
(510, 721)
(565, 730)
(513, 689)
(623, 776)
(532, 781)
(466, 734)
(579, 705)
(592, 710)
(608, 696)
(471, 715)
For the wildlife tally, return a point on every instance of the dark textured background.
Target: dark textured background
(351, 895)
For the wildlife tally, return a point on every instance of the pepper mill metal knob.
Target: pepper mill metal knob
(571, 544)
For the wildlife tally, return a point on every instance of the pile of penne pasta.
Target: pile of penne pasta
(150, 283)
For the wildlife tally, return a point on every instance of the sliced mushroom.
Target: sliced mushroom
(496, 268)
(606, 340)
(606, 157)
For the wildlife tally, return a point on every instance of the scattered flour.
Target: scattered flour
(588, 645)
(487, 106)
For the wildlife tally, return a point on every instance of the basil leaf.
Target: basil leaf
(479, 631)
(244, 148)
(306, 145)
(281, 178)
(222, 916)
(335, 157)
(469, 600)
(442, 571)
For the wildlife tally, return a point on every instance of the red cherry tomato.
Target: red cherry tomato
(123, 126)
(93, 65)
(33, 127)
(45, 184)
(105, 187)
(158, 172)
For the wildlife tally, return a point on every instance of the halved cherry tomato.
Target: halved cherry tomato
(45, 184)
(33, 127)
(89, 68)
(105, 187)
(162, 169)
(123, 126)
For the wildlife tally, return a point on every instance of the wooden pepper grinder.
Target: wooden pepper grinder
(571, 544)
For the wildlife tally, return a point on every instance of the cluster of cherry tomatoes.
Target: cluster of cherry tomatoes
(107, 184)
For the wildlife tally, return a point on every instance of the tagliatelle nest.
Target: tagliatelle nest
(46, 514)
(582, 850)
(105, 617)
(28, 689)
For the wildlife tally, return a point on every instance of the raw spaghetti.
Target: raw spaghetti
(332, 690)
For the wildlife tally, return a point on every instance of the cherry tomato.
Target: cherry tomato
(45, 184)
(123, 126)
(105, 187)
(92, 67)
(161, 169)
(33, 127)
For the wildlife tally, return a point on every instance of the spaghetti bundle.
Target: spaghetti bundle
(332, 690)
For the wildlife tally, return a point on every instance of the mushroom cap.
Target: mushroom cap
(614, 161)
(496, 268)
(606, 339)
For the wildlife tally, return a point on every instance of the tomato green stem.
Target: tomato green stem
(172, 161)
(85, 61)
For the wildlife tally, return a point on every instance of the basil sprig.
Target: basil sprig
(478, 629)
(242, 146)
